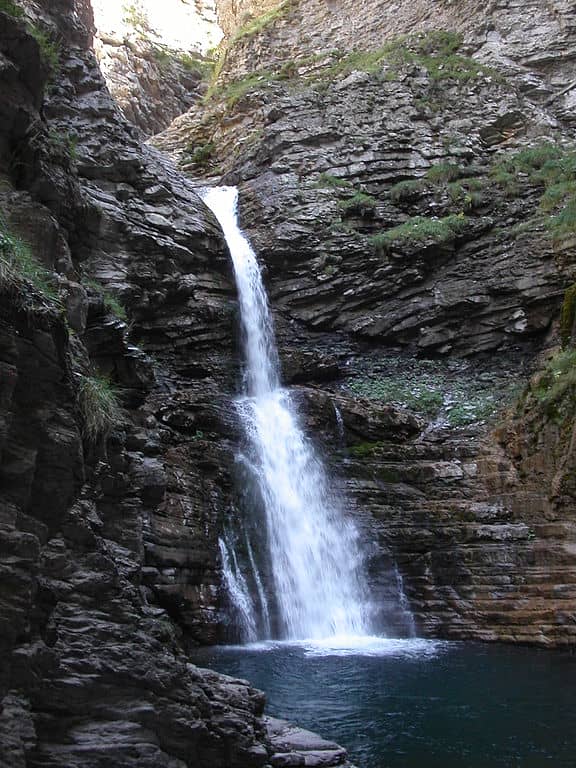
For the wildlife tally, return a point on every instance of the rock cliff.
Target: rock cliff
(408, 183)
(400, 167)
(116, 360)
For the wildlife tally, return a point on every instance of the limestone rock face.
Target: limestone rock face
(109, 568)
(354, 150)
(152, 56)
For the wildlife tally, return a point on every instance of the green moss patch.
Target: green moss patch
(420, 229)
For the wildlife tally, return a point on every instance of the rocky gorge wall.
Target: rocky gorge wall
(117, 358)
(396, 190)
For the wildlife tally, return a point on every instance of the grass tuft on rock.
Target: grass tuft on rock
(568, 315)
(49, 48)
(111, 302)
(437, 51)
(259, 23)
(99, 407)
(21, 274)
(553, 167)
(11, 8)
(558, 383)
(358, 203)
(420, 229)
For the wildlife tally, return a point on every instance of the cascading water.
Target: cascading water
(313, 554)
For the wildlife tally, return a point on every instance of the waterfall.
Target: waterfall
(313, 554)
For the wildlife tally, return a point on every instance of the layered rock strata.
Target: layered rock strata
(393, 189)
(113, 279)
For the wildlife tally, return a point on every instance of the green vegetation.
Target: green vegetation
(201, 154)
(168, 57)
(467, 193)
(259, 23)
(449, 176)
(11, 8)
(359, 202)
(432, 390)
(420, 397)
(407, 190)
(363, 450)
(111, 302)
(66, 143)
(20, 269)
(236, 90)
(327, 181)
(442, 173)
(136, 17)
(49, 48)
(568, 315)
(554, 168)
(557, 382)
(421, 229)
(99, 407)
(436, 51)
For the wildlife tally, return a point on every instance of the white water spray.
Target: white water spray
(313, 550)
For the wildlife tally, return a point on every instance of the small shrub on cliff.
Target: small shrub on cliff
(254, 26)
(568, 315)
(20, 270)
(436, 51)
(202, 154)
(407, 190)
(358, 203)
(552, 167)
(328, 181)
(111, 302)
(558, 382)
(421, 229)
(49, 48)
(99, 407)
(444, 172)
(135, 16)
(11, 8)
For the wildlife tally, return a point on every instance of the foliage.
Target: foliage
(363, 450)
(568, 314)
(19, 268)
(202, 154)
(558, 380)
(136, 17)
(111, 302)
(256, 25)
(467, 193)
(436, 51)
(67, 143)
(419, 397)
(420, 229)
(99, 407)
(358, 202)
(444, 172)
(327, 181)
(49, 48)
(407, 190)
(11, 8)
(432, 389)
(553, 167)
(235, 90)
(166, 57)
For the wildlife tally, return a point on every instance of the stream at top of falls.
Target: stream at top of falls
(303, 576)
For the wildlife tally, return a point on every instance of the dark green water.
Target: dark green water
(420, 704)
